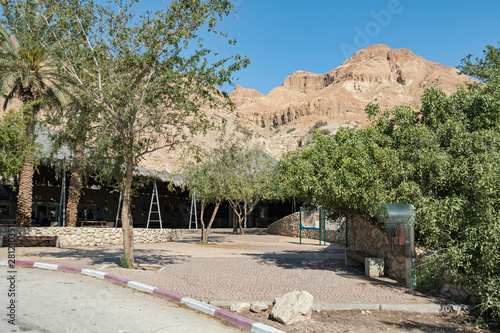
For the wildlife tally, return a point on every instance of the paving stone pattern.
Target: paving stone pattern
(249, 267)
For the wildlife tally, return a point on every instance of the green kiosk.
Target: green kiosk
(399, 219)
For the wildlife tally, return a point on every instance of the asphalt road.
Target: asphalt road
(53, 301)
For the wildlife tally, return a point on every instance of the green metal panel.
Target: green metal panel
(396, 213)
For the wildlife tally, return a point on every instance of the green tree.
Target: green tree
(150, 78)
(206, 180)
(486, 69)
(230, 172)
(27, 73)
(15, 147)
(248, 177)
(444, 159)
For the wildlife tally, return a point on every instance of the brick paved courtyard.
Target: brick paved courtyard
(249, 267)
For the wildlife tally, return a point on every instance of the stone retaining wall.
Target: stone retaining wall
(368, 237)
(289, 226)
(88, 236)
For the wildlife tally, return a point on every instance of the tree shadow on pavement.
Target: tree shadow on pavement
(105, 256)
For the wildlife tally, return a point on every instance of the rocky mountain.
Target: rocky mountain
(376, 74)
(281, 120)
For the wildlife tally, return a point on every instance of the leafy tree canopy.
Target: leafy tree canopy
(149, 78)
(443, 158)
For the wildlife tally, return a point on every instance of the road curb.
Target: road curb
(409, 307)
(239, 320)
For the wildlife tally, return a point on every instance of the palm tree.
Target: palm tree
(28, 74)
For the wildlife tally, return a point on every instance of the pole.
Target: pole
(324, 228)
(245, 212)
(64, 199)
(319, 211)
(118, 211)
(346, 231)
(300, 226)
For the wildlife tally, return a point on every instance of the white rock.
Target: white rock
(293, 307)
(259, 307)
(239, 307)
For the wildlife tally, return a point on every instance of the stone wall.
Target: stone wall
(289, 226)
(88, 236)
(367, 236)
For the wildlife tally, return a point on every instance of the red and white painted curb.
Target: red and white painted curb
(232, 317)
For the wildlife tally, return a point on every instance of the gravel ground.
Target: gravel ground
(372, 321)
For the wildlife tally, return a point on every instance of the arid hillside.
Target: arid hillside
(376, 74)
(281, 120)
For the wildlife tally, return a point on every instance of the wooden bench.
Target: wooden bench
(31, 240)
(8, 222)
(373, 266)
(93, 223)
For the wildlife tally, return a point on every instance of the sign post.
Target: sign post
(314, 220)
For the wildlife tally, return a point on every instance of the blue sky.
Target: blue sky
(283, 36)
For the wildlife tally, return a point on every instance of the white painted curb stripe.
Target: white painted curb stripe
(200, 306)
(141, 286)
(46, 266)
(261, 328)
(91, 272)
(4, 263)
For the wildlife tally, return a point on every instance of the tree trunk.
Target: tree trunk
(239, 215)
(240, 220)
(237, 218)
(212, 219)
(25, 194)
(127, 222)
(235, 221)
(75, 188)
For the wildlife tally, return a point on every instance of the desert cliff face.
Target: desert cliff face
(376, 74)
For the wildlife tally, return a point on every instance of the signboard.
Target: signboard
(310, 220)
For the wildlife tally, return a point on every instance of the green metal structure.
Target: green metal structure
(313, 220)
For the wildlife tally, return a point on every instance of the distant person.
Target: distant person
(33, 218)
(83, 214)
(42, 219)
(99, 214)
(91, 214)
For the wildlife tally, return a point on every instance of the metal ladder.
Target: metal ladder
(155, 200)
(193, 210)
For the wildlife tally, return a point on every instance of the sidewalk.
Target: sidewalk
(242, 267)
(54, 301)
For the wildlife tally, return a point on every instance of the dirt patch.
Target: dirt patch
(371, 321)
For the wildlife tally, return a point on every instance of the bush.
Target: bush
(244, 130)
(125, 262)
(320, 124)
(290, 130)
